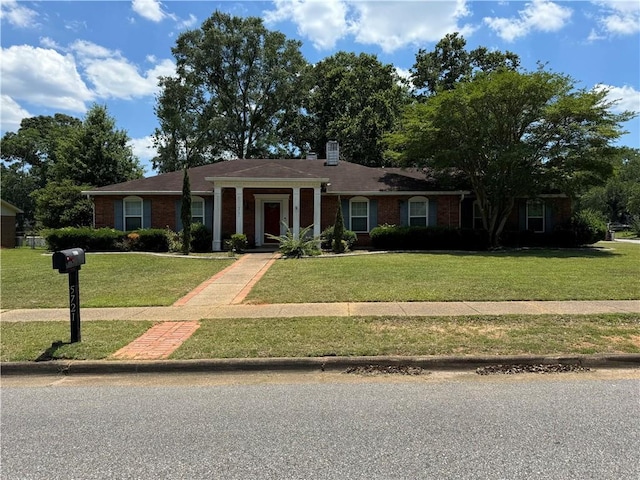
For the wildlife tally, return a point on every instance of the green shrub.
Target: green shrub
(201, 238)
(89, 239)
(174, 239)
(589, 227)
(304, 245)
(327, 238)
(237, 243)
(392, 237)
(150, 240)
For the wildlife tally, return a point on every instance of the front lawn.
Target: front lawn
(106, 280)
(609, 271)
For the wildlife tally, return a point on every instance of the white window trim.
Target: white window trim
(537, 202)
(351, 216)
(424, 200)
(124, 211)
(199, 200)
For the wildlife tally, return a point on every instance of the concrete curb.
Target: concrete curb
(105, 367)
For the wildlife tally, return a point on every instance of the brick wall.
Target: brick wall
(163, 210)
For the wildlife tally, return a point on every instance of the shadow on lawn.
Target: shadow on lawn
(49, 353)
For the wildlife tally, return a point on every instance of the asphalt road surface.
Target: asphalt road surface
(322, 426)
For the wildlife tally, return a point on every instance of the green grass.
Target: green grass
(30, 341)
(464, 335)
(106, 280)
(607, 272)
(343, 336)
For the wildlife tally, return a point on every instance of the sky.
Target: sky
(65, 56)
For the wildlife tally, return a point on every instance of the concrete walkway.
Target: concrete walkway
(231, 285)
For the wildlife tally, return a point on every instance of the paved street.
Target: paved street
(323, 426)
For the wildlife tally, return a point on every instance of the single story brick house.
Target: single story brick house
(9, 213)
(259, 196)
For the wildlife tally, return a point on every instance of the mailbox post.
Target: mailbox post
(69, 262)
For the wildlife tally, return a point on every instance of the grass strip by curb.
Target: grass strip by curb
(374, 336)
(49, 340)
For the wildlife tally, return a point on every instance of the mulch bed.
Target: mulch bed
(386, 369)
(539, 368)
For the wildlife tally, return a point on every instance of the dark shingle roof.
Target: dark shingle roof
(345, 177)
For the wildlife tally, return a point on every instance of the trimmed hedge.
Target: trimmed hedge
(89, 239)
(391, 237)
(107, 239)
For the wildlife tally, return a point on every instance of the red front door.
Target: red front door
(271, 220)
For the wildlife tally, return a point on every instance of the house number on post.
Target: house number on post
(70, 261)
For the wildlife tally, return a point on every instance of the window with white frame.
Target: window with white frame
(418, 212)
(132, 210)
(535, 216)
(359, 214)
(197, 210)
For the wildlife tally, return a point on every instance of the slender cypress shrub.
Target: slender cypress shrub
(185, 212)
(338, 230)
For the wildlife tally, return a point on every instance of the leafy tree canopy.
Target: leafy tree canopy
(512, 134)
(61, 204)
(449, 63)
(353, 99)
(96, 154)
(61, 149)
(235, 82)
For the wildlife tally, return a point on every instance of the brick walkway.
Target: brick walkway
(158, 342)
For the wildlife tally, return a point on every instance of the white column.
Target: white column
(217, 219)
(316, 212)
(296, 212)
(239, 210)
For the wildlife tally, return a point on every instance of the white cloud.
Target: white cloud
(11, 114)
(627, 98)
(324, 22)
(89, 50)
(390, 25)
(394, 25)
(118, 78)
(186, 23)
(149, 9)
(17, 15)
(55, 83)
(619, 17)
(539, 15)
(47, 42)
(143, 148)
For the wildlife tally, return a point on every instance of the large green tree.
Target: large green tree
(353, 99)
(512, 134)
(450, 63)
(97, 153)
(61, 204)
(63, 149)
(235, 83)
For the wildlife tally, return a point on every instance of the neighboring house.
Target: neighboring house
(8, 235)
(260, 196)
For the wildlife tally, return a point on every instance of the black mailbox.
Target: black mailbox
(68, 260)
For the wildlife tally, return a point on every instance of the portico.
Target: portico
(268, 201)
